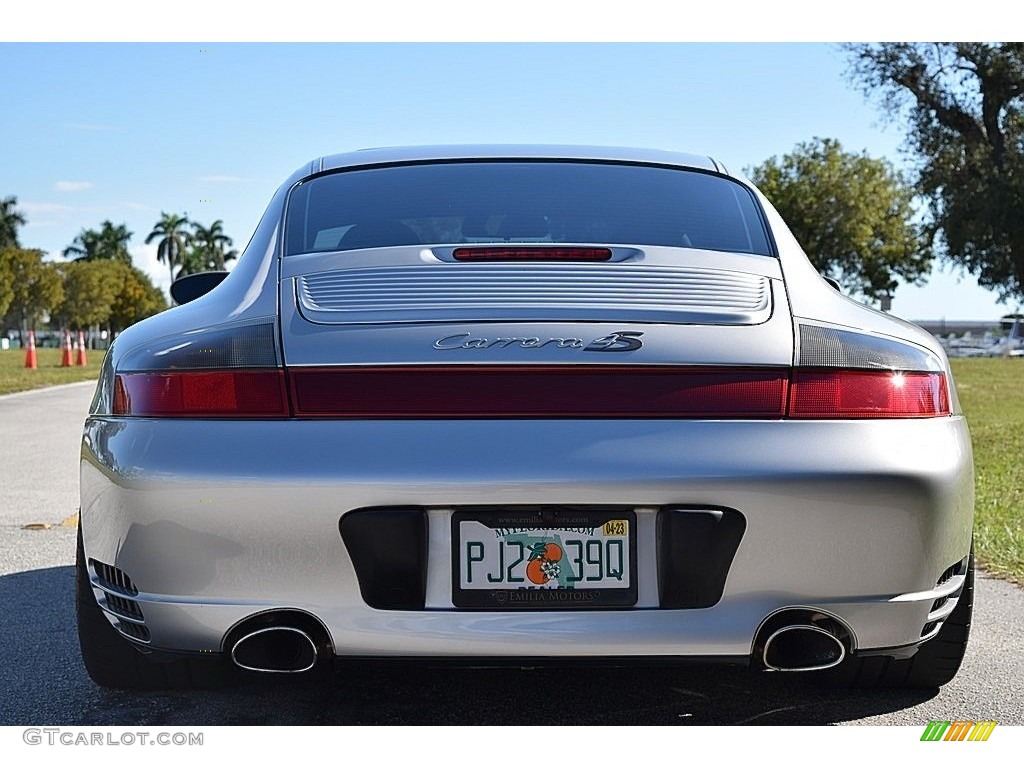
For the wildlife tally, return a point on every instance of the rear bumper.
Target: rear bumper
(215, 521)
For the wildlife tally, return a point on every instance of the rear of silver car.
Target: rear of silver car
(525, 441)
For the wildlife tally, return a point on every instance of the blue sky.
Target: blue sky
(123, 131)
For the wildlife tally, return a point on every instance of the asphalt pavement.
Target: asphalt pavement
(44, 682)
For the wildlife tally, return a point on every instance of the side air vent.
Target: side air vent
(122, 606)
(950, 583)
(138, 632)
(111, 579)
(116, 591)
(950, 572)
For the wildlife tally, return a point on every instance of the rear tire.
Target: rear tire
(935, 663)
(114, 662)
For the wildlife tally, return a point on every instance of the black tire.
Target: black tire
(114, 662)
(935, 663)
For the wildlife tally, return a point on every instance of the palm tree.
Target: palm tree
(173, 238)
(85, 246)
(198, 259)
(10, 220)
(193, 260)
(211, 242)
(115, 242)
(110, 243)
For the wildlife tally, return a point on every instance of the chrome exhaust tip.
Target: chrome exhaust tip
(275, 649)
(802, 648)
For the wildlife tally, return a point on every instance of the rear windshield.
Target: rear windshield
(523, 202)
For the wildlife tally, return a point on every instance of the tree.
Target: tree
(193, 260)
(170, 230)
(6, 284)
(10, 220)
(853, 215)
(35, 285)
(85, 246)
(110, 243)
(136, 299)
(90, 289)
(198, 259)
(965, 104)
(209, 246)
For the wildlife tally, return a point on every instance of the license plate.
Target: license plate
(553, 558)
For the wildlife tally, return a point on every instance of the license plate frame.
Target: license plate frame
(533, 599)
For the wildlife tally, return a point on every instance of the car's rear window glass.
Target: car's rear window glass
(523, 202)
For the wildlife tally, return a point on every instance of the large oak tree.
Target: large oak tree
(965, 104)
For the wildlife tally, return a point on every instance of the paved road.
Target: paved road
(43, 680)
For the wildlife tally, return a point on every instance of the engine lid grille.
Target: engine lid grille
(580, 292)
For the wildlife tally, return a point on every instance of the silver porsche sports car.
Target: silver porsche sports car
(518, 405)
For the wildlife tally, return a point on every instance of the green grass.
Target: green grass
(992, 397)
(15, 377)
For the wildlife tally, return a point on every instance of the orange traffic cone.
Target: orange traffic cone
(65, 355)
(80, 360)
(30, 353)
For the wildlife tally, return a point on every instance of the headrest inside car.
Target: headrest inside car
(378, 234)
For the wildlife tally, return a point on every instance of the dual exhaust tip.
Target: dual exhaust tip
(287, 649)
(802, 648)
(275, 649)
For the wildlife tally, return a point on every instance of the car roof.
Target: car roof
(388, 155)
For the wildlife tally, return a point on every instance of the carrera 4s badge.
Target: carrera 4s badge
(619, 341)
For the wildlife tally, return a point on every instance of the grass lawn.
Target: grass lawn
(992, 396)
(15, 377)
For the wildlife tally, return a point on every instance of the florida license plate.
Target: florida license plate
(554, 558)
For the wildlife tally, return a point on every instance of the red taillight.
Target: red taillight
(490, 391)
(519, 253)
(479, 391)
(225, 394)
(854, 394)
